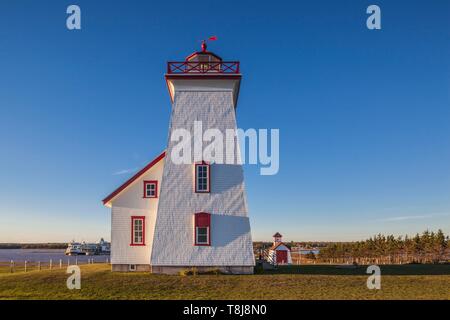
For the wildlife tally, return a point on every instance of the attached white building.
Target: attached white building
(171, 216)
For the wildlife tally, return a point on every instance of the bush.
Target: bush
(258, 269)
(215, 271)
(188, 272)
(310, 255)
(194, 271)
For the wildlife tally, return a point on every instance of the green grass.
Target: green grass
(295, 282)
(410, 269)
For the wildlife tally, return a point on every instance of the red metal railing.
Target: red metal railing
(221, 67)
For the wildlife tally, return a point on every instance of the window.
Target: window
(132, 267)
(202, 229)
(151, 189)
(202, 235)
(137, 231)
(202, 177)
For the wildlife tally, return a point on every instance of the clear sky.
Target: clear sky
(364, 116)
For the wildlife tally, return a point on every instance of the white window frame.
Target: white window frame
(205, 167)
(146, 189)
(197, 235)
(141, 231)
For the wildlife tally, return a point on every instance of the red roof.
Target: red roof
(203, 53)
(278, 235)
(133, 178)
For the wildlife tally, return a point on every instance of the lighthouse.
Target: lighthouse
(193, 213)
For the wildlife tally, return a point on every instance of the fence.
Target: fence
(302, 259)
(379, 260)
(26, 266)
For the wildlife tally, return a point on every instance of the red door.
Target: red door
(281, 257)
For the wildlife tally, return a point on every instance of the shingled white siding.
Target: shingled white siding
(231, 243)
(128, 203)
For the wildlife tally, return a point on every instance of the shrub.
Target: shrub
(258, 269)
(194, 271)
(214, 271)
(188, 272)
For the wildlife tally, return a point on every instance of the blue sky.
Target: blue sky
(363, 115)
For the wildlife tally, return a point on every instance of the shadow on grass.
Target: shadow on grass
(409, 269)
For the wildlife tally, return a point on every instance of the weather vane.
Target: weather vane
(204, 46)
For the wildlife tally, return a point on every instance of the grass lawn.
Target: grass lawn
(295, 282)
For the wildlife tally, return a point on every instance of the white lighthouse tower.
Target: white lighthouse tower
(202, 216)
(171, 216)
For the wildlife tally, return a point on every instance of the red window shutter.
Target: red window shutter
(202, 220)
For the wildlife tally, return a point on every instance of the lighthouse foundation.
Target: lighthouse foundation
(222, 269)
(172, 270)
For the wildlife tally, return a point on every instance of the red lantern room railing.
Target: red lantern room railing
(201, 67)
(203, 62)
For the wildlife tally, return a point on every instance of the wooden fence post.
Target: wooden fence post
(25, 265)
(51, 263)
(68, 261)
(60, 263)
(12, 266)
(39, 265)
(76, 261)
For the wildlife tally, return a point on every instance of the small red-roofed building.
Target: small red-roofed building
(279, 253)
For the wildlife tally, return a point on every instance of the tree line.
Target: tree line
(428, 247)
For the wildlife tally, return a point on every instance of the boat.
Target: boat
(88, 249)
(105, 247)
(73, 249)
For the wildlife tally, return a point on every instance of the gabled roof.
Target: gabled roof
(134, 178)
(275, 246)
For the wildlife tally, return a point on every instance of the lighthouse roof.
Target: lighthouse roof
(203, 54)
(277, 235)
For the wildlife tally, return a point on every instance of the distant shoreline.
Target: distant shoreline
(58, 245)
(33, 245)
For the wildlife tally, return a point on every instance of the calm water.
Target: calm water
(43, 255)
(306, 251)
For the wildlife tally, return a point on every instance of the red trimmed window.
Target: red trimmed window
(202, 177)
(151, 189)
(137, 231)
(202, 229)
